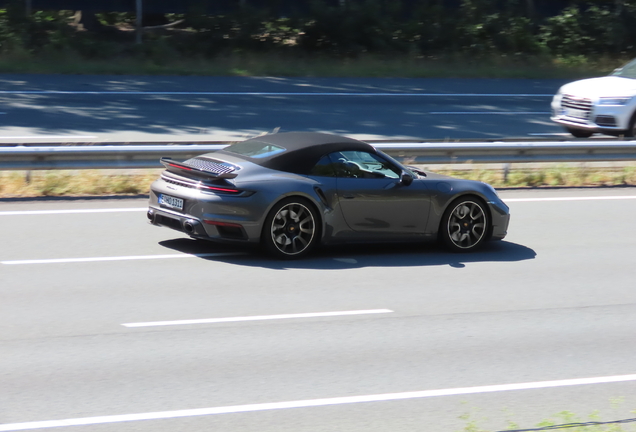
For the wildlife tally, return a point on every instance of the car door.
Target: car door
(372, 197)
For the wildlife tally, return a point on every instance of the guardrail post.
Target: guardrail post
(506, 171)
(139, 23)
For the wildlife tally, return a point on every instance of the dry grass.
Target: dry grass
(97, 183)
(75, 183)
(554, 176)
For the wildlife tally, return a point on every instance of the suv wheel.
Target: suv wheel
(631, 132)
(579, 133)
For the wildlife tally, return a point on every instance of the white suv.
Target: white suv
(606, 105)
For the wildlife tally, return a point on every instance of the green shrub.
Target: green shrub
(366, 26)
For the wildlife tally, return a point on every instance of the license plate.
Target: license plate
(170, 201)
(576, 113)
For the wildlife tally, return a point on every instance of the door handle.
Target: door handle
(348, 196)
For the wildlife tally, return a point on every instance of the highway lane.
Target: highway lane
(94, 108)
(554, 301)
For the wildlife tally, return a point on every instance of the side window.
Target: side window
(323, 168)
(358, 164)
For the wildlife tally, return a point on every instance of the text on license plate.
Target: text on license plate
(170, 201)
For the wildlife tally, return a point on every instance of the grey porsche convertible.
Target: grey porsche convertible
(291, 192)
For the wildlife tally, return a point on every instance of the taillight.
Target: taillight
(180, 167)
(222, 224)
(219, 189)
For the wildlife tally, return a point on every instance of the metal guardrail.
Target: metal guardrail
(147, 156)
(521, 152)
(97, 157)
(498, 140)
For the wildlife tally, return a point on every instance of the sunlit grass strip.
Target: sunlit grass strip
(552, 176)
(99, 182)
(75, 183)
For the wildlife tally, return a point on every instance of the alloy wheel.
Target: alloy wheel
(466, 225)
(293, 228)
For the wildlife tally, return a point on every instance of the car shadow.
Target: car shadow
(356, 256)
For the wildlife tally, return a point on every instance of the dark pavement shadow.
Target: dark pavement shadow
(357, 256)
(193, 112)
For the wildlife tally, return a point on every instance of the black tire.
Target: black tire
(631, 132)
(292, 229)
(579, 133)
(465, 224)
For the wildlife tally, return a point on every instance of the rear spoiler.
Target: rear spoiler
(180, 167)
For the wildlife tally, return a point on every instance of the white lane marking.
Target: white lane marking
(311, 403)
(487, 113)
(48, 137)
(71, 211)
(626, 197)
(550, 134)
(257, 318)
(120, 258)
(213, 93)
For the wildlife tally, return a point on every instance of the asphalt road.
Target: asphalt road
(116, 108)
(554, 301)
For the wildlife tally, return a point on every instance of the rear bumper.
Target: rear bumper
(206, 216)
(197, 228)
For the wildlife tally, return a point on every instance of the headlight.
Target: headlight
(614, 100)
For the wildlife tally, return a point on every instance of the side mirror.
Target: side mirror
(405, 178)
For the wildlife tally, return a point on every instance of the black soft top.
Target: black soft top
(302, 150)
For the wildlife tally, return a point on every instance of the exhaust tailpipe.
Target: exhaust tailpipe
(190, 226)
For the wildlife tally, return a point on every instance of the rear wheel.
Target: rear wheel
(465, 224)
(579, 133)
(291, 229)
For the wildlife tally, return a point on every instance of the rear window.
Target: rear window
(254, 149)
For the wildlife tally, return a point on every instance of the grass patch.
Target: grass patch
(286, 65)
(99, 182)
(563, 420)
(74, 183)
(553, 176)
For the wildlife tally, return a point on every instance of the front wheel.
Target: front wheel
(291, 229)
(464, 225)
(579, 133)
(631, 132)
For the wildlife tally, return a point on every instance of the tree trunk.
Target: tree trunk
(89, 21)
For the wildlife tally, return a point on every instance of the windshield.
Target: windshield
(398, 164)
(627, 71)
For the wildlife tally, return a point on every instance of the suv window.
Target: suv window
(627, 71)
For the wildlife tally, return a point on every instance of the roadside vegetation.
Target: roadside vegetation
(100, 183)
(563, 420)
(476, 38)
(359, 38)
